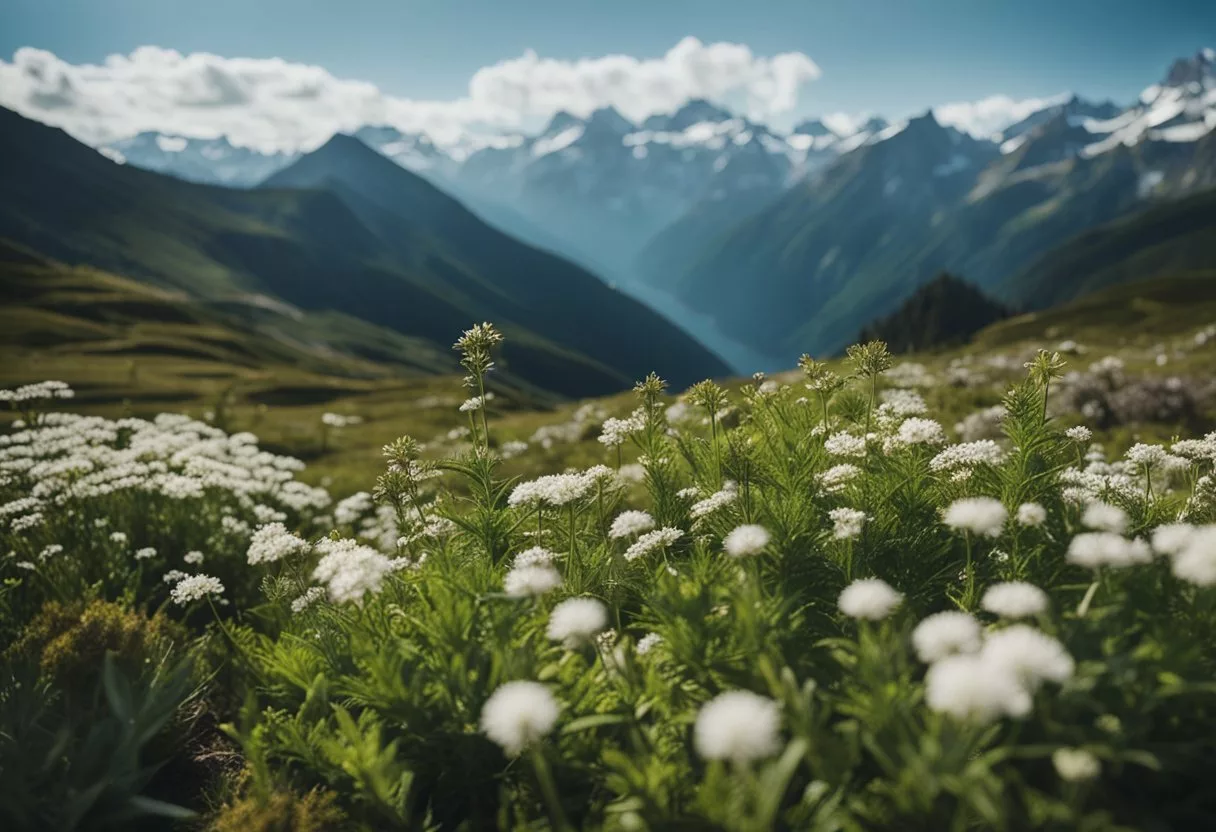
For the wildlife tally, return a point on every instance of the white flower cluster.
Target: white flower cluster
(869, 599)
(1191, 550)
(983, 516)
(630, 523)
(519, 714)
(617, 431)
(39, 391)
(272, 543)
(845, 444)
(339, 420)
(575, 620)
(718, 500)
(350, 570)
(847, 522)
(918, 431)
(194, 588)
(1094, 550)
(1014, 599)
(967, 455)
(745, 541)
(986, 679)
(556, 490)
(739, 726)
(653, 542)
(837, 477)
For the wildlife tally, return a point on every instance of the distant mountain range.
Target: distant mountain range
(349, 247)
(851, 241)
(768, 244)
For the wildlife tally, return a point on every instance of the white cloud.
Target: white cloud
(271, 104)
(991, 115)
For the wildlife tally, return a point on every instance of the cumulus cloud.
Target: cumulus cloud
(988, 116)
(272, 104)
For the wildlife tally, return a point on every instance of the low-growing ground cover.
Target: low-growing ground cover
(871, 594)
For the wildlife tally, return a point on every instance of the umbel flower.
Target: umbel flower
(983, 516)
(195, 587)
(575, 620)
(739, 726)
(1014, 599)
(630, 523)
(745, 541)
(944, 634)
(519, 714)
(870, 599)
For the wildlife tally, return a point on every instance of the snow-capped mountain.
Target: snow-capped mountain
(1180, 109)
(209, 161)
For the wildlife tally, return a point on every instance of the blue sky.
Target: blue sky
(895, 57)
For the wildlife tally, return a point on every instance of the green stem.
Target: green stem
(549, 789)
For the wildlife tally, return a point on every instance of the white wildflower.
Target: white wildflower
(193, 558)
(847, 522)
(272, 543)
(835, 478)
(967, 455)
(145, 553)
(1014, 599)
(349, 570)
(653, 541)
(630, 523)
(965, 687)
(739, 726)
(1075, 764)
(1030, 655)
(531, 580)
(1097, 549)
(311, 596)
(519, 714)
(575, 620)
(870, 599)
(195, 587)
(1105, 517)
(1172, 538)
(648, 642)
(1031, 514)
(745, 541)
(1079, 434)
(845, 444)
(918, 431)
(944, 634)
(983, 516)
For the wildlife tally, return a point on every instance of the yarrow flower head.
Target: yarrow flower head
(845, 444)
(918, 431)
(272, 543)
(967, 455)
(349, 570)
(532, 557)
(966, 688)
(575, 620)
(739, 726)
(648, 643)
(1097, 549)
(195, 587)
(193, 558)
(1105, 517)
(944, 634)
(1014, 599)
(847, 522)
(983, 516)
(1075, 764)
(1079, 434)
(519, 714)
(1031, 514)
(630, 523)
(146, 553)
(745, 541)
(652, 542)
(1195, 561)
(869, 599)
(837, 477)
(531, 580)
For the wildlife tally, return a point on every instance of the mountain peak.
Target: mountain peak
(1198, 69)
(812, 127)
(610, 120)
(561, 120)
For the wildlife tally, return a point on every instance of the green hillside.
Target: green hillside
(385, 249)
(1168, 239)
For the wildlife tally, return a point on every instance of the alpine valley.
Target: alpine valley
(762, 244)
